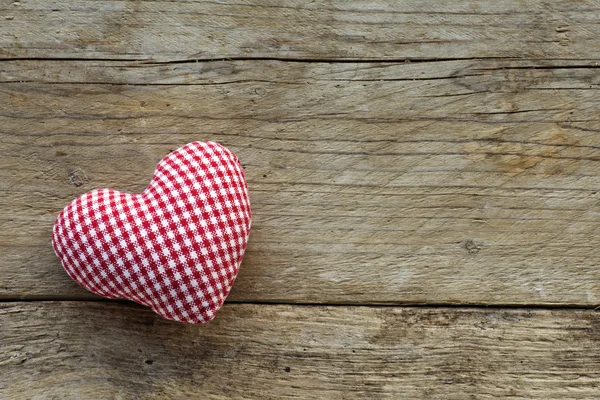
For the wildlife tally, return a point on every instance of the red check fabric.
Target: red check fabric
(176, 248)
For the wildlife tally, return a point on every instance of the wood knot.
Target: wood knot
(19, 358)
(78, 177)
(471, 247)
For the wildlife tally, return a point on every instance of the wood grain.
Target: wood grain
(73, 350)
(339, 30)
(446, 182)
(399, 153)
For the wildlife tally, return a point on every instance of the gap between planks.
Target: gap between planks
(465, 306)
(407, 60)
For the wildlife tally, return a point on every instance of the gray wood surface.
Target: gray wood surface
(179, 30)
(398, 153)
(449, 182)
(75, 350)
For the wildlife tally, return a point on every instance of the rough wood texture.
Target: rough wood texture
(438, 182)
(470, 175)
(54, 350)
(175, 30)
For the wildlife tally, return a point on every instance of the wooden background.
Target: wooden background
(424, 176)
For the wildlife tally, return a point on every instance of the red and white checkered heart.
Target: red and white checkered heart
(176, 248)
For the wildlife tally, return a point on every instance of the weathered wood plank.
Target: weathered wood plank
(450, 182)
(175, 30)
(73, 350)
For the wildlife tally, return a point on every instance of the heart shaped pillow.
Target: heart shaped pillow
(176, 248)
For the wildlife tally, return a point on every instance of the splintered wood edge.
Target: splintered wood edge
(82, 349)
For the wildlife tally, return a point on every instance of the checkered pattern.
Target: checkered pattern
(176, 248)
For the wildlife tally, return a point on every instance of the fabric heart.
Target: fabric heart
(176, 248)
